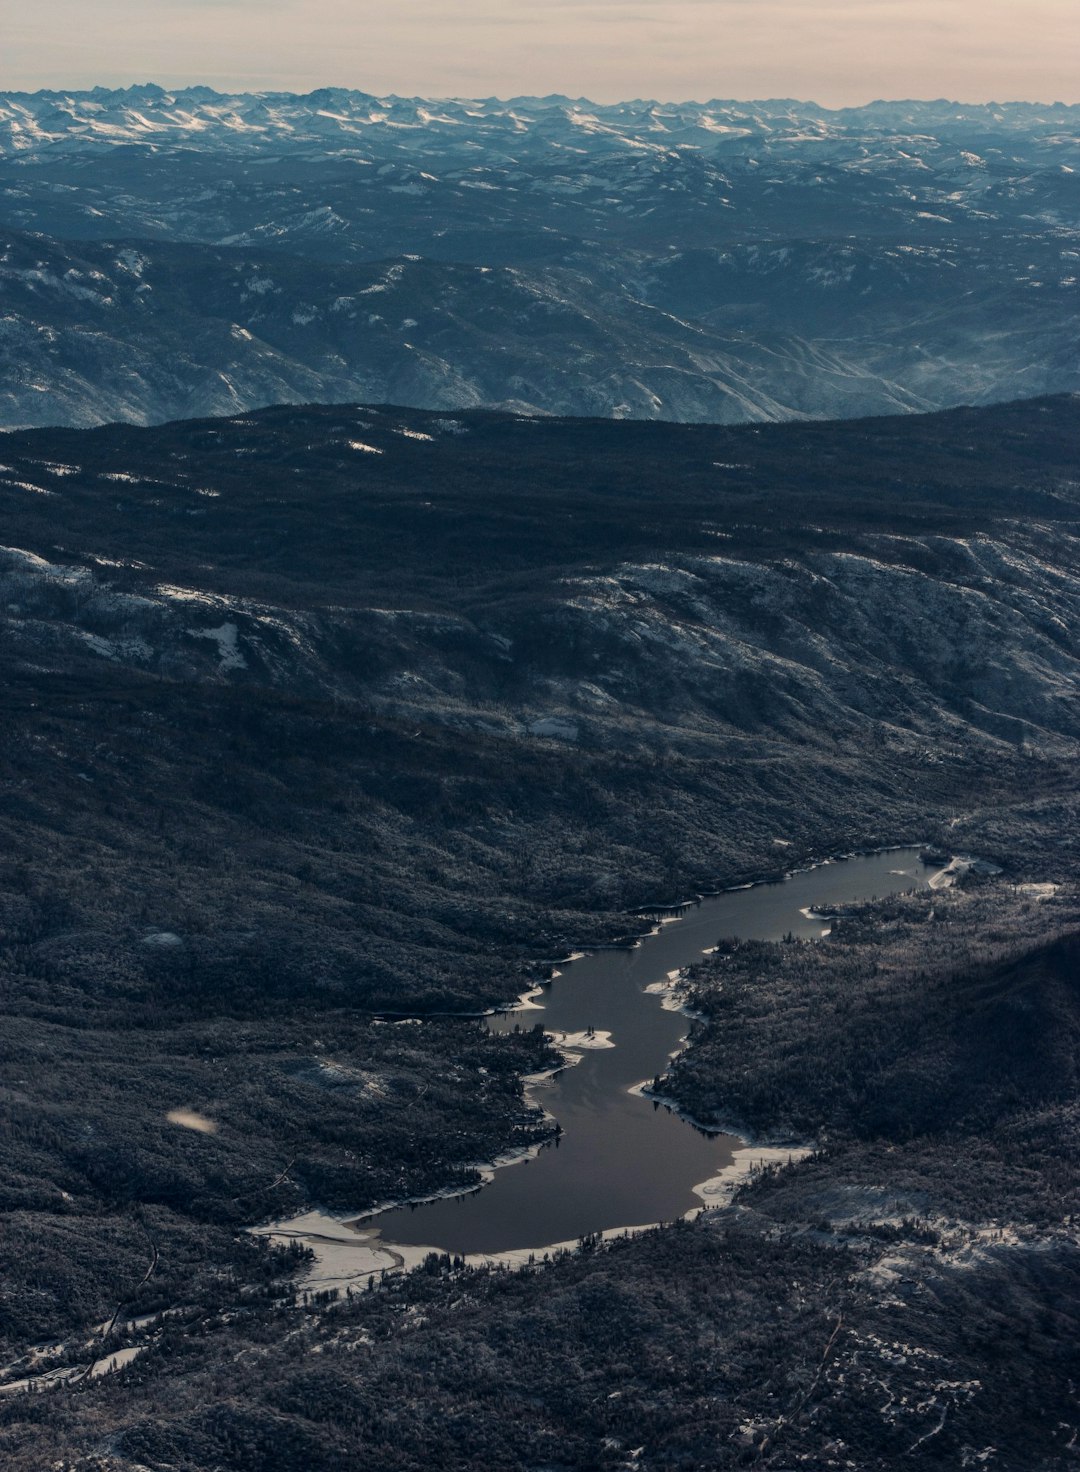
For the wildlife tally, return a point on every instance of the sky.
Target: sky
(836, 52)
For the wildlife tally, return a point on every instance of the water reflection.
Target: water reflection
(621, 1160)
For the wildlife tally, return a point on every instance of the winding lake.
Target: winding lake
(622, 1160)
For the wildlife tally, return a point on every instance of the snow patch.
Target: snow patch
(558, 728)
(1038, 891)
(162, 940)
(580, 1042)
(227, 637)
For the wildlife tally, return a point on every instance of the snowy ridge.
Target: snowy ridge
(167, 255)
(204, 118)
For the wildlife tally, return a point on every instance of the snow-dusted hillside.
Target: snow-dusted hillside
(947, 645)
(936, 633)
(146, 332)
(721, 261)
(345, 173)
(204, 119)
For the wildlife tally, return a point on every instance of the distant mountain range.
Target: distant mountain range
(165, 255)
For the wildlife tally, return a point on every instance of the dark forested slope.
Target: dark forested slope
(323, 710)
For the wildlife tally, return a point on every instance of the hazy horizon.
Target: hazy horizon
(840, 53)
(136, 83)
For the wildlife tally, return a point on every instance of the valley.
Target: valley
(326, 713)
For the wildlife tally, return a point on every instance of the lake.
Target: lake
(622, 1160)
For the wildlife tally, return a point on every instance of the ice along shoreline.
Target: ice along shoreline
(350, 1247)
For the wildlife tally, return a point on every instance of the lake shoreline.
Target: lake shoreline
(714, 1192)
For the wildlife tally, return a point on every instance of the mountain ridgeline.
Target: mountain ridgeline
(178, 254)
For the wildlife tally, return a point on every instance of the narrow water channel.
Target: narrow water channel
(623, 1161)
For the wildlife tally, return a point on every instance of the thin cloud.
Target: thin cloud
(188, 1119)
